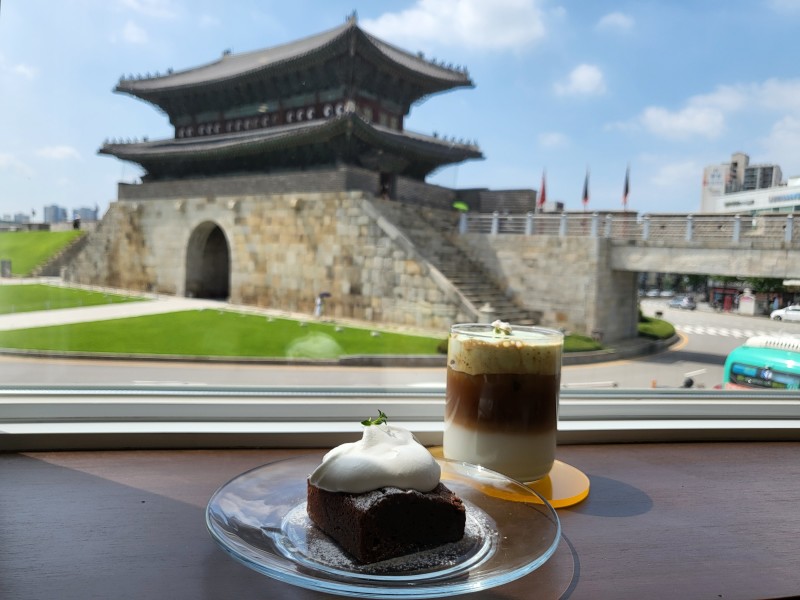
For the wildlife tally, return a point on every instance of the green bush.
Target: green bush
(580, 343)
(656, 329)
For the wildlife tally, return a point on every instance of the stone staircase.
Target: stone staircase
(430, 231)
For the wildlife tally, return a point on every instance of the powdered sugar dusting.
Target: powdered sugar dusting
(308, 544)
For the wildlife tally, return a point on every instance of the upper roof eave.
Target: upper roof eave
(233, 66)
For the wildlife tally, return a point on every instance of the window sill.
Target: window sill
(60, 418)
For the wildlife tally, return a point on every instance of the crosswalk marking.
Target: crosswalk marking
(720, 331)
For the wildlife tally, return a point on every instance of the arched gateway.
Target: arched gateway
(208, 263)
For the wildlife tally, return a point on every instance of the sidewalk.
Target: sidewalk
(153, 304)
(102, 312)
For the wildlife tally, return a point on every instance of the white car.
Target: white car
(790, 313)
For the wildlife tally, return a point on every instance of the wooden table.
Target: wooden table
(718, 520)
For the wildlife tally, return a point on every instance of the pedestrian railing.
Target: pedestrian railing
(760, 231)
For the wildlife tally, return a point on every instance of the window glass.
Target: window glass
(582, 186)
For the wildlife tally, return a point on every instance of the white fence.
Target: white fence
(761, 231)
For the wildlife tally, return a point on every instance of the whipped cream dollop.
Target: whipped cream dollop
(385, 456)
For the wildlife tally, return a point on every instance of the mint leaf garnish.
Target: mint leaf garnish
(380, 419)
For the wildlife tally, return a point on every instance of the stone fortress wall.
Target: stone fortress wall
(291, 237)
(569, 279)
(285, 249)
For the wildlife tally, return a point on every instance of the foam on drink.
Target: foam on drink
(502, 398)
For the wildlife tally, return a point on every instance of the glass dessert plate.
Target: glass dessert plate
(259, 518)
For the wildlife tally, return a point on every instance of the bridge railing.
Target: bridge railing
(760, 231)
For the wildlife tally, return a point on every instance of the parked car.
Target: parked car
(652, 293)
(790, 313)
(667, 294)
(683, 302)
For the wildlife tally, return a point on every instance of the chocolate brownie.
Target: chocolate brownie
(389, 521)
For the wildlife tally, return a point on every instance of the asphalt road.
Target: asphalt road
(706, 339)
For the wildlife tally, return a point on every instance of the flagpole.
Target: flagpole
(626, 188)
(585, 198)
(542, 193)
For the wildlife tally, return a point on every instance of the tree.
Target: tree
(695, 281)
(765, 284)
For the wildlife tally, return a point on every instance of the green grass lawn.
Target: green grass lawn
(28, 249)
(220, 332)
(27, 298)
(228, 334)
(217, 333)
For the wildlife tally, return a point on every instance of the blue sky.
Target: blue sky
(665, 87)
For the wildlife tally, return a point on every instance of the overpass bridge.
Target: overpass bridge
(579, 271)
(733, 245)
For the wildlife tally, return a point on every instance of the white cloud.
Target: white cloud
(553, 139)
(670, 174)
(58, 152)
(21, 69)
(726, 98)
(615, 21)
(781, 143)
(705, 115)
(779, 95)
(583, 80)
(772, 94)
(707, 122)
(496, 25)
(133, 34)
(9, 162)
(784, 6)
(25, 71)
(160, 9)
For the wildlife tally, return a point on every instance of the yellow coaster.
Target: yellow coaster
(563, 486)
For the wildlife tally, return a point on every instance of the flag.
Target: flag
(542, 193)
(586, 190)
(626, 188)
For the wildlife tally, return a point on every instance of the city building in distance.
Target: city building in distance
(55, 214)
(86, 215)
(741, 188)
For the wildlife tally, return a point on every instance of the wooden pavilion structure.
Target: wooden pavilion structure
(336, 98)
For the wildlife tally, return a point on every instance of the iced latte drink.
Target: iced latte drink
(502, 397)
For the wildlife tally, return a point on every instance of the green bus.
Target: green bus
(764, 363)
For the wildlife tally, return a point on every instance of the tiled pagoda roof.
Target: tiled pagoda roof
(427, 77)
